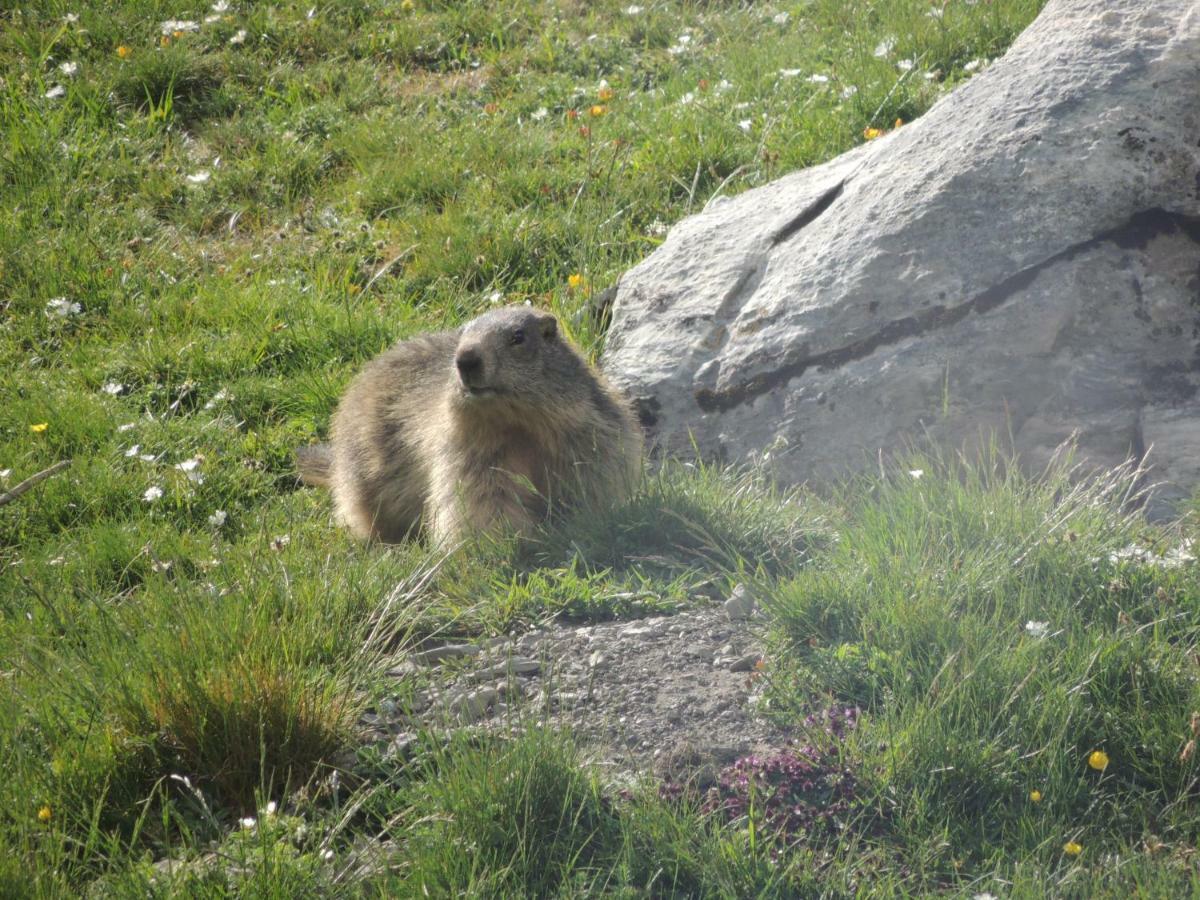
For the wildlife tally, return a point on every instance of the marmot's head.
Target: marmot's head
(510, 355)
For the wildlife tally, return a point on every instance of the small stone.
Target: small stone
(745, 663)
(740, 604)
(523, 665)
(400, 747)
(473, 706)
(643, 631)
(441, 654)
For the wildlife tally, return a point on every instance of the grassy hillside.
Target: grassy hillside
(210, 215)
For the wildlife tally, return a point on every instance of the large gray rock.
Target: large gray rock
(1024, 260)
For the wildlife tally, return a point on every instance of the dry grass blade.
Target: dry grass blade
(24, 486)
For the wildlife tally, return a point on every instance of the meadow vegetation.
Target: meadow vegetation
(211, 214)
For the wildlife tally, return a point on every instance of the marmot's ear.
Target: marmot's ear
(549, 326)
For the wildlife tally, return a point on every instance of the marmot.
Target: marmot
(462, 431)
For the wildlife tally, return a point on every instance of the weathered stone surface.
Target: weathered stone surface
(1024, 259)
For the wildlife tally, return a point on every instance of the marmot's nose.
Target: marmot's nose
(470, 364)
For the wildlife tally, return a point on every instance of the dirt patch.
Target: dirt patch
(669, 694)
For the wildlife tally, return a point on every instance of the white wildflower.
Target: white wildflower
(70, 69)
(189, 468)
(271, 807)
(55, 92)
(217, 519)
(722, 86)
(199, 177)
(248, 822)
(916, 473)
(126, 427)
(170, 26)
(71, 18)
(818, 79)
(113, 387)
(1037, 629)
(239, 38)
(745, 125)
(780, 18)
(62, 307)
(849, 91)
(495, 297)
(789, 73)
(134, 450)
(973, 65)
(740, 106)
(936, 12)
(884, 48)
(153, 493)
(905, 65)
(634, 10)
(221, 6)
(681, 45)
(687, 98)
(540, 113)
(1172, 558)
(327, 855)
(4, 473)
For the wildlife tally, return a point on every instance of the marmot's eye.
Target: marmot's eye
(518, 337)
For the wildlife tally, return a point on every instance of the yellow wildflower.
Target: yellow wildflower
(406, 5)
(899, 122)
(597, 110)
(44, 814)
(1072, 849)
(1098, 760)
(123, 52)
(1035, 796)
(871, 133)
(574, 281)
(178, 34)
(605, 94)
(39, 427)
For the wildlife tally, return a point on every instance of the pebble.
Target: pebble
(518, 665)
(740, 604)
(745, 663)
(473, 706)
(450, 651)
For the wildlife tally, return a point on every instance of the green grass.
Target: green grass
(245, 214)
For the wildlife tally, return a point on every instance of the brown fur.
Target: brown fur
(485, 426)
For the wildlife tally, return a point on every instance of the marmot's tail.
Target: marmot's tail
(315, 463)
